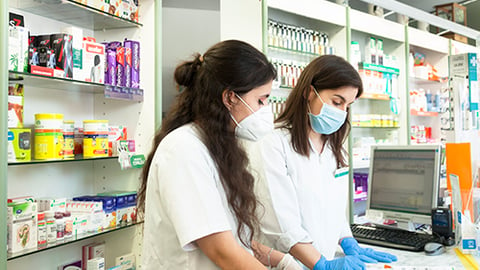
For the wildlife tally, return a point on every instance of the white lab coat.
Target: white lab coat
(303, 201)
(185, 201)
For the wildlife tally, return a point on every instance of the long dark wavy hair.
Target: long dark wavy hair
(229, 65)
(324, 72)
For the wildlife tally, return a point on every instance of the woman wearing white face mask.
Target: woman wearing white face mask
(196, 193)
(305, 184)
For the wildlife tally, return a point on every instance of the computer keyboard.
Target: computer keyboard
(391, 237)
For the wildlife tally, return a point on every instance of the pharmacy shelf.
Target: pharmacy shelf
(422, 113)
(375, 96)
(76, 159)
(376, 127)
(65, 84)
(422, 81)
(13, 256)
(71, 12)
(379, 68)
(290, 51)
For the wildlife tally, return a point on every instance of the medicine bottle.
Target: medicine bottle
(51, 227)
(60, 225)
(41, 229)
(68, 219)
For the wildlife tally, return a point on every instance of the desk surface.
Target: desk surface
(418, 260)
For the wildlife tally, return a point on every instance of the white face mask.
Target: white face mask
(256, 125)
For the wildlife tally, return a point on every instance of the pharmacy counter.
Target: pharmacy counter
(408, 260)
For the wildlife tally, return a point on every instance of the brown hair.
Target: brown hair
(229, 65)
(324, 72)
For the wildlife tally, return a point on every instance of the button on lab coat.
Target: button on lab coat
(302, 199)
(185, 201)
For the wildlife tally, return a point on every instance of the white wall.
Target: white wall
(185, 32)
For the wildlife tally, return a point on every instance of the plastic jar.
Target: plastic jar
(60, 223)
(95, 138)
(68, 139)
(67, 217)
(51, 227)
(41, 229)
(48, 136)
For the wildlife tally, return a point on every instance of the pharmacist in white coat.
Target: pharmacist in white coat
(196, 193)
(305, 187)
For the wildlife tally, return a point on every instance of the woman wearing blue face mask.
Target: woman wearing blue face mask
(304, 186)
(196, 192)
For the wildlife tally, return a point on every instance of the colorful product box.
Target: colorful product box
(15, 106)
(93, 64)
(127, 261)
(77, 38)
(126, 206)
(21, 226)
(50, 204)
(19, 144)
(115, 134)
(132, 63)
(62, 49)
(120, 70)
(18, 48)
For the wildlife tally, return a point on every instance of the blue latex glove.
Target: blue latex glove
(347, 262)
(350, 247)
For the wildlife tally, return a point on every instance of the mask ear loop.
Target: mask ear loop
(244, 103)
(235, 121)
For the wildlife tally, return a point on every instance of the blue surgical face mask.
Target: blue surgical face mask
(329, 120)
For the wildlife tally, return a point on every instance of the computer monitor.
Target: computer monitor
(403, 182)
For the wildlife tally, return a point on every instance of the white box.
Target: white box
(93, 62)
(21, 226)
(127, 261)
(96, 264)
(17, 48)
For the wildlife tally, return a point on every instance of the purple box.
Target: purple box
(134, 62)
(111, 62)
(128, 63)
(120, 66)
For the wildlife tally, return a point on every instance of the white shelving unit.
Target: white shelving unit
(321, 16)
(436, 50)
(80, 101)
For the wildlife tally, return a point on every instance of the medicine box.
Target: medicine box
(15, 106)
(18, 48)
(93, 61)
(50, 204)
(21, 226)
(62, 49)
(126, 262)
(19, 144)
(96, 264)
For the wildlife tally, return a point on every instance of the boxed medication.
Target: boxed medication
(132, 63)
(77, 40)
(15, 106)
(18, 48)
(127, 261)
(96, 264)
(93, 61)
(115, 134)
(50, 204)
(19, 144)
(126, 206)
(21, 226)
(62, 50)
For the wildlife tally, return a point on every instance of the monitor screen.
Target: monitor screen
(404, 180)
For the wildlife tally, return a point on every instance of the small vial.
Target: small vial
(67, 217)
(51, 227)
(60, 223)
(41, 229)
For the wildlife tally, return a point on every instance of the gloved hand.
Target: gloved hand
(347, 262)
(350, 247)
(287, 263)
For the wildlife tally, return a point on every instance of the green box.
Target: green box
(19, 144)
